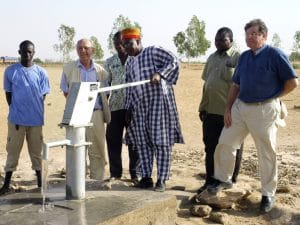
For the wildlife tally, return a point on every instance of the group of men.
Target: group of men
(240, 96)
(148, 112)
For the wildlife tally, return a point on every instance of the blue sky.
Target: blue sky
(38, 20)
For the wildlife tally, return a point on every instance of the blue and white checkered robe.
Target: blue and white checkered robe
(155, 119)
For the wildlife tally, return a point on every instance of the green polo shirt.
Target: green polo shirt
(217, 75)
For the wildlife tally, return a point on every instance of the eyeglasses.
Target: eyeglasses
(80, 48)
(254, 34)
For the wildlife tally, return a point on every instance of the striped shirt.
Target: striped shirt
(116, 75)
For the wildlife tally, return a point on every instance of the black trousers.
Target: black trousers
(212, 127)
(114, 135)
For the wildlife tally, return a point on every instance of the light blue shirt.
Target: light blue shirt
(87, 75)
(27, 85)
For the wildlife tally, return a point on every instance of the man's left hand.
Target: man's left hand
(155, 79)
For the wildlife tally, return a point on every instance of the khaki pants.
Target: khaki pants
(96, 152)
(260, 120)
(15, 140)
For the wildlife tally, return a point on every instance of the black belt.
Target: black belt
(260, 103)
(96, 109)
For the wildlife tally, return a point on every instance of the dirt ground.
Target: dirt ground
(188, 159)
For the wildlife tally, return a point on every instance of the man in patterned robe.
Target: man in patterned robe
(153, 123)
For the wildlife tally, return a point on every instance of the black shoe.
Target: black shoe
(4, 190)
(145, 182)
(266, 204)
(218, 186)
(160, 186)
(115, 177)
(134, 180)
(201, 189)
(39, 178)
(234, 180)
(111, 179)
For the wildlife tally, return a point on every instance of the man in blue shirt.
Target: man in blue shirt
(262, 76)
(26, 86)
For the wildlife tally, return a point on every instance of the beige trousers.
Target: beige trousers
(96, 151)
(261, 121)
(15, 141)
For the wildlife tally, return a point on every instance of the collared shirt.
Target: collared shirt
(87, 75)
(261, 76)
(217, 74)
(116, 75)
(27, 85)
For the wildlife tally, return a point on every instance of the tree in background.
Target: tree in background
(66, 41)
(192, 43)
(37, 61)
(179, 41)
(295, 54)
(296, 46)
(120, 23)
(276, 41)
(98, 51)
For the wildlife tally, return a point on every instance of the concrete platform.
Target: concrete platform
(120, 205)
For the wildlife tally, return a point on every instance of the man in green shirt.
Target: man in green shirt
(217, 75)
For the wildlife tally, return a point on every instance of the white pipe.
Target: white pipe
(75, 163)
(119, 86)
(48, 145)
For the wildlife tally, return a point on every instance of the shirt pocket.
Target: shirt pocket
(227, 73)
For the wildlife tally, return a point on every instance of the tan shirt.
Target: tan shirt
(217, 75)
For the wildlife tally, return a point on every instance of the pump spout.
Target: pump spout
(46, 146)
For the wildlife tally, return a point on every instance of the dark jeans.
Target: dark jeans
(212, 128)
(114, 135)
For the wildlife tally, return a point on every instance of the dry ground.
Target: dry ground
(187, 158)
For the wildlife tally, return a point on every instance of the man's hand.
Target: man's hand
(155, 79)
(202, 115)
(227, 118)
